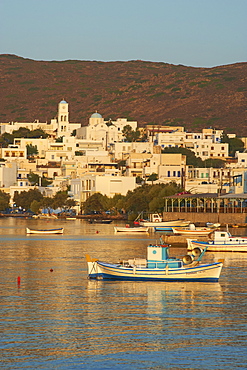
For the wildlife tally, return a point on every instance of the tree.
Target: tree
(97, 202)
(6, 139)
(214, 163)
(35, 206)
(139, 179)
(153, 177)
(4, 200)
(25, 198)
(235, 144)
(191, 158)
(59, 199)
(69, 203)
(131, 135)
(35, 179)
(31, 150)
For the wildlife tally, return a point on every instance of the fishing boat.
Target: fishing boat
(128, 229)
(157, 267)
(220, 241)
(45, 231)
(156, 221)
(99, 221)
(192, 230)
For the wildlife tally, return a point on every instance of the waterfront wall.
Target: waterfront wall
(203, 217)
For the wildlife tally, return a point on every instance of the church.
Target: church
(106, 131)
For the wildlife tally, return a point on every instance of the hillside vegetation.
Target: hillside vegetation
(149, 92)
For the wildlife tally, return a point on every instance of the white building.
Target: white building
(105, 131)
(8, 174)
(122, 150)
(59, 126)
(85, 186)
(206, 144)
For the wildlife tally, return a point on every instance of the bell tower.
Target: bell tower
(63, 119)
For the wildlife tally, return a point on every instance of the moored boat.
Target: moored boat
(192, 230)
(45, 231)
(156, 222)
(157, 267)
(99, 221)
(220, 241)
(128, 229)
(45, 216)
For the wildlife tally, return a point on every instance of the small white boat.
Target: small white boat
(192, 230)
(213, 225)
(45, 216)
(158, 224)
(157, 267)
(128, 229)
(45, 231)
(221, 241)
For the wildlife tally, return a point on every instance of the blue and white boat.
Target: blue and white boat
(157, 267)
(220, 241)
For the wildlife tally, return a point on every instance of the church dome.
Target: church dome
(63, 102)
(96, 115)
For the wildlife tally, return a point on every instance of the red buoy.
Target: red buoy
(51, 270)
(19, 280)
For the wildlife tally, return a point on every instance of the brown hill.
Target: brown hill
(151, 93)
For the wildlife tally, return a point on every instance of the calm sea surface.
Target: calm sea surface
(56, 318)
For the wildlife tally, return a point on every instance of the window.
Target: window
(168, 173)
(179, 174)
(174, 173)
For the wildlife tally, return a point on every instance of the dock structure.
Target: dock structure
(207, 207)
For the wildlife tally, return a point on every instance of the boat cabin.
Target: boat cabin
(221, 236)
(155, 217)
(158, 257)
(225, 237)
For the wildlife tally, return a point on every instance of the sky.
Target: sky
(198, 33)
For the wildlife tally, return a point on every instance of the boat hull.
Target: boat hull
(165, 225)
(131, 229)
(101, 270)
(212, 247)
(196, 232)
(47, 231)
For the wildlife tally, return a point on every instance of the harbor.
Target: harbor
(53, 314)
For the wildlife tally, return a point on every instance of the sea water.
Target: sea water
(53, 317)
